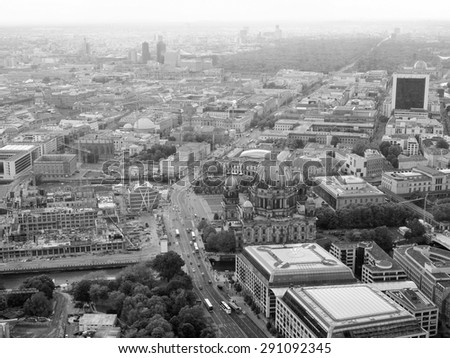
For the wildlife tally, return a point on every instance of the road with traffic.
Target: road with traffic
(186, 210)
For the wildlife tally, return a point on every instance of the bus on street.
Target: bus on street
(177, 233)
(234, 307)
(193, 235)
(195, 247)
(208, 305)
(225, 307)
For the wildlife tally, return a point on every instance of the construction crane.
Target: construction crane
(132, 247)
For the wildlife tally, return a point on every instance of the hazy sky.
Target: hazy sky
(43, 12)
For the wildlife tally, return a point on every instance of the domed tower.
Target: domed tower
(420, 66)
(275, 192)
(310, 207)
(247, 211)
(230, 200)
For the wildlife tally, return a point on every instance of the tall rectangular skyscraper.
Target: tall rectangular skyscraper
(145, 52)
(160, 50)
(410, 91)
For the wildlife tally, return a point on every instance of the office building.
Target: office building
(410, 124)
(344, 190)
(368, 261)
(55, 218)
(419, 179)
(410, 91)
(95, 147)
(16, 159)
(347, 311)
(262, 269)
(13, 252)
(369, 166)
(160, 50)
(94, 321)
(55, 166)
(145, 52)
(429, 268)
(143, 198)
(189, 152)
(132, 56)
(415, 302)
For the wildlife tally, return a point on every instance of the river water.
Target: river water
(14, 281)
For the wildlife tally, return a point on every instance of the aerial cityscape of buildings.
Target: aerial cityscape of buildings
(300, 203)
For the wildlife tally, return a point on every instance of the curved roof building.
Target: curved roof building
(260, 154)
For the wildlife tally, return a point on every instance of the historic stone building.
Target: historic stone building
(278, 210)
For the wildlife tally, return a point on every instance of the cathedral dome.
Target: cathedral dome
(247, 204)
(275, 174)
(231, 182)
(145, 124)
(420, 65)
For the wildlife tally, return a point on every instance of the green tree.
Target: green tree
(38, 305)
(202, 224)
(417, 229)
(326, 218)
(140, 273)
(442, 144)
(335, 141)
(359, 148)
(158, 327)
(224, 241)
(168, 264)
(395, 150)
(98, 292)
(207, 332)
(295, 143)
(81, 291)
(3, 302)
(42, 283)
(193, 316)
(384, 148)
(441, 212)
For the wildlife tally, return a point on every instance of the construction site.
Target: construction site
(59, 225)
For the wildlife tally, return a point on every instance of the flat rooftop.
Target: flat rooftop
(432, 259)
(348, 185)
(350, 302)
(297, 264)
(356, 309)
(94, 319)
(413, 299)
(17, 148)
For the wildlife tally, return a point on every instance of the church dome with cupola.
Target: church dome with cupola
(231, 182)
(273, 174)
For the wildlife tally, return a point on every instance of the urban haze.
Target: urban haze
(226, 169)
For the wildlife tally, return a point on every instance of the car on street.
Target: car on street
(209, 281)
(193, 270)
(200, 287)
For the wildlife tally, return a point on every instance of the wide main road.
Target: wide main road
(182, 217)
